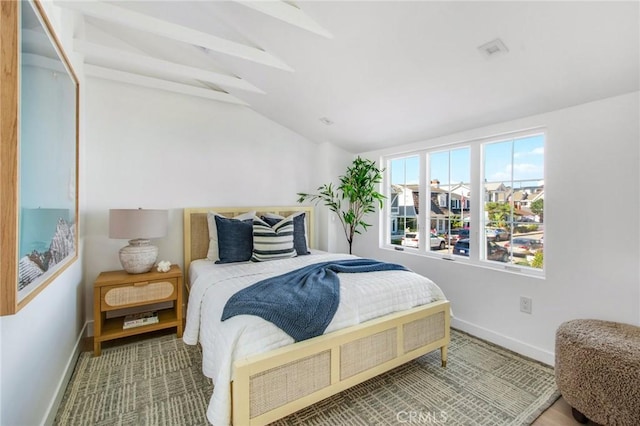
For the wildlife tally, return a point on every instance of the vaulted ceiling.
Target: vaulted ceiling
(366, 75)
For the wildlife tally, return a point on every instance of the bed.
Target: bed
(280, 377)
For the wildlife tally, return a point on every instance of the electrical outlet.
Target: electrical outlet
(525, 304)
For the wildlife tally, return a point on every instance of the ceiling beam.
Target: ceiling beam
(287, 13)
(149, 24)
(156, 83)
(118, 56)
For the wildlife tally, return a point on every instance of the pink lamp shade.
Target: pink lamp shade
(138, 226)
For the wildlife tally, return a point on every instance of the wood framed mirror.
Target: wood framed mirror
(38, 155)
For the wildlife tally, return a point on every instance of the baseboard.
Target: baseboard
(514, 345)
(64, 380)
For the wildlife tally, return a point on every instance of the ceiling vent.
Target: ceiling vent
(493, 48)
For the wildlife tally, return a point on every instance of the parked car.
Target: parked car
(461, 247)
(497, 234)
(494, 251)
(524, 246)
(437, 243)
(457, 234)
(412, 239)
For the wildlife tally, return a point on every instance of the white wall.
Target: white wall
(39, 344)
(592, 254)
(153, 149)
(334, 161)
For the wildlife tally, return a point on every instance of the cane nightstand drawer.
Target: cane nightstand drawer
(143, 292)
(114, 290)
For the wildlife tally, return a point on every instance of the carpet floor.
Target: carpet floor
(158, 381)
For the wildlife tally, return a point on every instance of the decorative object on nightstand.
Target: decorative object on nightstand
(138, 226)
(117, 290)
(164, 266)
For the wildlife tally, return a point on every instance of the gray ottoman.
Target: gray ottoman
(598, 370)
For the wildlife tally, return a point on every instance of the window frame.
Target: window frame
(475, 204)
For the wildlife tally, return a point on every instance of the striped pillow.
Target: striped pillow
(272, 243)
(299, 230)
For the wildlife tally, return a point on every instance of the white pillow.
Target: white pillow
(213, 253)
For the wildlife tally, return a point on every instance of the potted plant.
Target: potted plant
(353, 198)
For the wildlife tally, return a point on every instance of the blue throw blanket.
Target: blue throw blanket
(301, 302)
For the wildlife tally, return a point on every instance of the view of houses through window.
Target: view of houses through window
(513, 215)
(405, 174)
(449, 196)
(510, 212)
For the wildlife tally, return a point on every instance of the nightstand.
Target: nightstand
(118, 289)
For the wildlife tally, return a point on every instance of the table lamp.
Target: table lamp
(138, 226)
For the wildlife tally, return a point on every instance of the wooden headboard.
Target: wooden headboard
(196, 230)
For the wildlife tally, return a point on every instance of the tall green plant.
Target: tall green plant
(353, 198)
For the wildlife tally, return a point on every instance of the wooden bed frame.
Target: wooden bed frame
(275, 384)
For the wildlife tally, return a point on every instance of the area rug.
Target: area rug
(158, 381)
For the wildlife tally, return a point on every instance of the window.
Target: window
(513, 178)
(403, 175)
(502, 227)
(449, 181)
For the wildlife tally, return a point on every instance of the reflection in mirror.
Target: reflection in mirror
(47, 156)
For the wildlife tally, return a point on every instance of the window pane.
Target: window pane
(513, 195)
(449, 183)
(403, 212)
(528, 155)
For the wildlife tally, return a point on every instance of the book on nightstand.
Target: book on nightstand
(140, 319)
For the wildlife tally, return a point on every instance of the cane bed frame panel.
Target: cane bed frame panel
(379, 331)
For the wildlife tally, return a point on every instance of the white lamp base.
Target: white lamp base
(138, 257)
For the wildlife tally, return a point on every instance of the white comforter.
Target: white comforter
(363, 297)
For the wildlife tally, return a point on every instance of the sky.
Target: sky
(527, 154)
(519, 159)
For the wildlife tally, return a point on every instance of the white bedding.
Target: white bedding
(363, 297)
